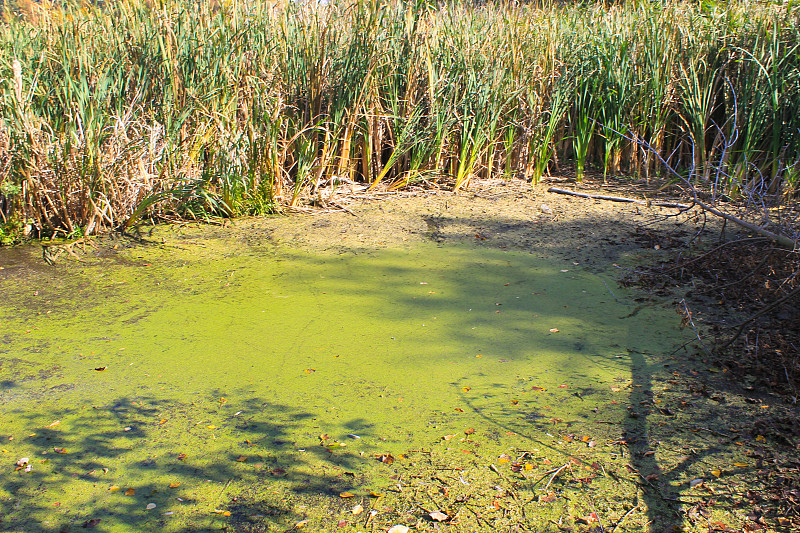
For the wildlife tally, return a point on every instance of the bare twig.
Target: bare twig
(558, 471)
(781, 240)
(752, 317)
(694, 328)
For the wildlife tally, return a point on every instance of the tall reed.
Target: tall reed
(130, 109)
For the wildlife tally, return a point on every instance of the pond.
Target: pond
(160, 385)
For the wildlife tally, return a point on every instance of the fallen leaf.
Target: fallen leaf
(374, 494)
(551, 497)
(211, 426)
(503, 459)
(130, 492)
(469, 431)
(181, 456)
(341, 523)
(528, 466)
(448, 437)
(23, 461)
(398, 529)
(301, 524)
(740, 465)
(479, 355)
(278, 472)
(310, 370)
(101, 368)
(696, 482)
(588, 519)
(60, 450)
(91, 524)
(466, 389)
(222, 512)
(385, 458)
(716, 473)
(54, 424)
(357, 510)
(562, 386)
(615, 389)
(150, 506)
(553, 330)
(539, 389)
(438, 516)
(760, 438)
(514, 402)
(241, 459)
(175, 484)
(162, 422)
(346, 494)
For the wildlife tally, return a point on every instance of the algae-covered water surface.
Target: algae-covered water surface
(188, 388)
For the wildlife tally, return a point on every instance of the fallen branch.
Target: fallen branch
(619, 199)
(752, 317)
(781, 240)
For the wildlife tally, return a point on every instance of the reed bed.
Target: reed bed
(128, 109)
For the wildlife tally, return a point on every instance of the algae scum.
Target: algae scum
(185, 388)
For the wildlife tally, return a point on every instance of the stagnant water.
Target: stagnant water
(146, 388)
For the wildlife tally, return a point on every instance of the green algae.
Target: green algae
(278, 375)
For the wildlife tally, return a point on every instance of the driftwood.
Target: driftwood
(779, 239)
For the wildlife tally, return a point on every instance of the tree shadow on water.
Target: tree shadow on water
(155, 464)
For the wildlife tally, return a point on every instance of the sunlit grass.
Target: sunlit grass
(110, 113)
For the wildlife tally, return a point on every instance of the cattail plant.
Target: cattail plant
(122, 110)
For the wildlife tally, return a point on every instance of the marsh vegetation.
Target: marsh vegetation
(122, 110)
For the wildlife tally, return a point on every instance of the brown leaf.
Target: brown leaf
(241, 459)
(60, 450)
(100, 369)
(385, 458)
(91, 524)
(438, 516)
(130, 492)
(551, 497)
(181, 456)
(175, 484)
(346, 494)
